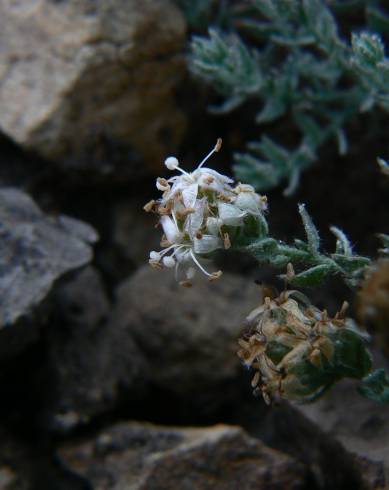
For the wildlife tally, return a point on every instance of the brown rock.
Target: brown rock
(76, 75)
(8, 479)
(137, 456)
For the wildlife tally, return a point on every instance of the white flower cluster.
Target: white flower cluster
(199, 212)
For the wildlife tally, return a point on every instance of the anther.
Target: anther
(171, 163)
(169, 262)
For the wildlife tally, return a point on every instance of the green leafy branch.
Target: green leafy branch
(352, 358)
(299, 66)
(315, 265)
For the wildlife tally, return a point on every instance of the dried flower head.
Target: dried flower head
(298, 351)
(200, 212)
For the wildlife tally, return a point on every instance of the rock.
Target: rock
(17, 168)
(29, 464)
(8, 478)
(35, 250)
(81, 80)
(89, 363)
(14, 474)
(189, 336)
(361, 425)
(284, 427)
(136, 456)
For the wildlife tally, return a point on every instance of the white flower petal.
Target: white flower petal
(182, 255)
(190, 272)
(176, 187)
(220, 177)
(207, 244)
(195, 220)
(210, 179)
(248, 201)
(189, 195)
(213, 225)
(170, 229)
(230, 214)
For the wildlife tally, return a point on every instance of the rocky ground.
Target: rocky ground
(112, 377)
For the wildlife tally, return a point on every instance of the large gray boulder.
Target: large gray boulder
(77, 75)
(35, 250)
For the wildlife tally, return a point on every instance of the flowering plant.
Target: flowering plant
(298, 351)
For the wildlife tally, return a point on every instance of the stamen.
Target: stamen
(215, 276)
(162, 184)
(183, 171)
(165, 250)
(198, 263)
(226, 241)
(185, 284)
(148, 207)
(214, 150)
(172, 164)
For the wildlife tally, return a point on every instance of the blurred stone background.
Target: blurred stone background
(111, 375)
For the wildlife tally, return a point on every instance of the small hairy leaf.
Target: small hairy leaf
(384, 166)
(351, 357)
(376, 386)
(385, 242)
(310, 229)
(343, 245)
(313, 276)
